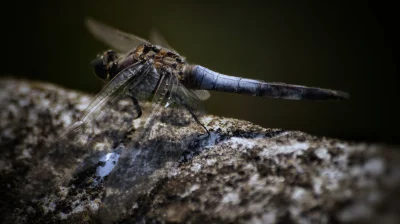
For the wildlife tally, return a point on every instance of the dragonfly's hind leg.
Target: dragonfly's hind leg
(196, 119)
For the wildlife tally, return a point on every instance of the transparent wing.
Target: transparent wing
(106, 121)
(201, 94)
(167, 133)
(189, 99)
(116, 39)
(158, 39)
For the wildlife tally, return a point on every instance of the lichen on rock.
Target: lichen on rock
(243, 173)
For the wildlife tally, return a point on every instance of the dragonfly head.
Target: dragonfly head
(104, 65)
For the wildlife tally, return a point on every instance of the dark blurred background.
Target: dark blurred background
(339, 45)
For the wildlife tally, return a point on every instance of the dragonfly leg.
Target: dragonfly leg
(196, 119)
(136, 106)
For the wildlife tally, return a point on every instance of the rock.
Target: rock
(243, 174)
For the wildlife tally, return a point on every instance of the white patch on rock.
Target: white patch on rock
(194, 187)
(66, 119)
(173, 171)
(63, 215)
(83, 103)
(44, 102)
(26, 153)
(137, 123)
(101, 146)
(246, 143)
(195, 167)
(190, 190)
(303, 198)
(374, 166)
(332, 178)
(232, 198)
(296, 148)
(322, 153)
(211, 162)
(317, 185)
(94, 206)
(24, 89)
(78, 209)
(135, 206)
(298, 194)
(110, 160)
(254, 179)
(210, 142)
(206, 120)
(341, 145)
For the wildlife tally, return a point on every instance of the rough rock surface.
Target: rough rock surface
(248, 174)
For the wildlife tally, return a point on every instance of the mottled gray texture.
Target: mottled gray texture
(248, 174)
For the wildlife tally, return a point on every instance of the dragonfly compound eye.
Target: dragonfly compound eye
(99, 68)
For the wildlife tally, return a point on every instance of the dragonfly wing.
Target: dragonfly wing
(116, 39)
(162, 141)
(158, 39)
(106, 121)
(201, 94)
(190, 99)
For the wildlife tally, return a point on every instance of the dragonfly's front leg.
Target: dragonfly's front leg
(136, 105)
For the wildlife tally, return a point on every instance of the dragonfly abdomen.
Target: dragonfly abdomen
(203, 78)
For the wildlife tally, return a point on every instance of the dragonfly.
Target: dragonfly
(146, 81)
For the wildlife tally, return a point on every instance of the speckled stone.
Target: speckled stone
(245, 174)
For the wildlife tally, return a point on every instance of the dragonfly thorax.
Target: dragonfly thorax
(163, 59)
